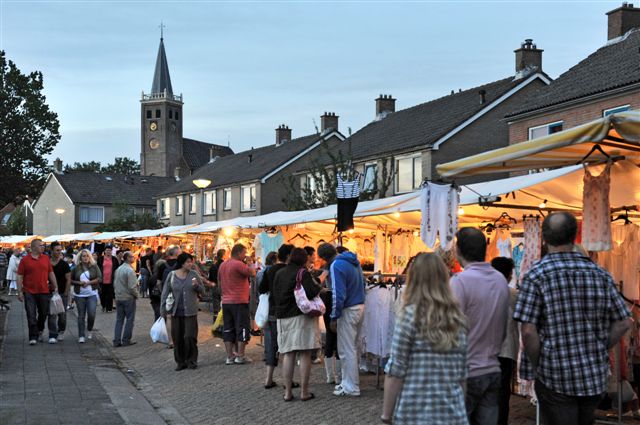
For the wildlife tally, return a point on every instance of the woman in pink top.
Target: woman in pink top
(107, 264)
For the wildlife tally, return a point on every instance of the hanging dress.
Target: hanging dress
(596, 223)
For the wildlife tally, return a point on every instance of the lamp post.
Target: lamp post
(60, 211)
(202, 184)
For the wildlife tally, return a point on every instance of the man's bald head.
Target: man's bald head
(559, 229)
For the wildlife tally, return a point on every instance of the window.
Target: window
(248, 196)
(177, 115)
(545, 130)
(227, 199)
(192, 203)
(91, 214)
(210, 202)
(158, 113)
(179, 205)
(615, 110)
(5, 219)
(164, 207)
(309, 182)
(408, 174)
(171, 114)
(148, 114)
(369, 178)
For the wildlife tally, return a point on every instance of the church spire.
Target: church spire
(161, 77)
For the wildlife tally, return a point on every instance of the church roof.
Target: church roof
(196, 153)
(161, 77)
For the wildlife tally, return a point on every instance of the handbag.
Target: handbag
(168, 303)
(314, 307)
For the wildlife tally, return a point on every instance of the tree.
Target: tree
(17, 224)
(127, 219)
(121, 165)
(29, 131)
(322, 179)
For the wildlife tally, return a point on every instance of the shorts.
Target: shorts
(236, 324)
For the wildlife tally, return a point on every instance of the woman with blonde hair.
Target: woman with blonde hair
(428, 362)
(85, 279)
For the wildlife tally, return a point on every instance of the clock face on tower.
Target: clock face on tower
(154, 143)
(153, 126)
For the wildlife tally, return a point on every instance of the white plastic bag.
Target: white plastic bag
(262, 313)
(56, 306)
(159, 332)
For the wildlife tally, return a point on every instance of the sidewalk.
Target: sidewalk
(65, 383)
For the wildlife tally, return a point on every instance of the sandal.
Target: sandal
(289, 399)
(311, 397)
(271, 385)
(293, 385)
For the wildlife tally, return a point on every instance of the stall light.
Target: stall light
(228, 231)
(416, 233)
(460, 211)
(543, 204)
(396, 214)
(208, 245)
(351, 231)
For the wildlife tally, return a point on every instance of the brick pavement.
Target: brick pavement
(65, 383)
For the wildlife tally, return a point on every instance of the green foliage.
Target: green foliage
(122, 165)
(127, 219)
(29, 131)
(17, 224)
(324, 170)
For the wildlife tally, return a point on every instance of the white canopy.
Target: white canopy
(15, 239)
(165, 231)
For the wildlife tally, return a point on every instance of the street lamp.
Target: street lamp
(60, 211)
(202, 184)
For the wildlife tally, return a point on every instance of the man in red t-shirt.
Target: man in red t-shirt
(35, 274)
(233, 278)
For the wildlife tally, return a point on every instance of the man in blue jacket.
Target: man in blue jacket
(347, 283)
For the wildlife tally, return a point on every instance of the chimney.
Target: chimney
(483, 94)
(622, 19)
(328, 122)
(211, 154)
(385, 105)
(528, 59)
(283, 135)
(176, 174)
(57, 166)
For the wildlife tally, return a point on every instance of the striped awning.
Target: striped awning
(618, 135)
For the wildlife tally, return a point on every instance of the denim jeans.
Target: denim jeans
(86, 308)
(482, 398)
(561, 409)
(507, 366)
(37, 308)
(271, 343)
(125, 313)
(61, 319)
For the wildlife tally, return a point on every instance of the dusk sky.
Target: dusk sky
(246, 67)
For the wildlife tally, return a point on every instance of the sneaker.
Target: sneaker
(89, 335)
(81, 340)
(52, 340)
(33, 342)
(338, 387)
(239, 360)
(230, 361)
(61, 337)
(342, 393)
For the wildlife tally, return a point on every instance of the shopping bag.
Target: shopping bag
(218, 323)
(262, 313)
(56, 306)
(159, 331)
(314, 307)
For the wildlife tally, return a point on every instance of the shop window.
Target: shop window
(210, 202)
(179, 205)
(248, 198)
(615, 110)
(227, 200)
(408, 174)
(192, 203)
(91, 214)
(545, 130)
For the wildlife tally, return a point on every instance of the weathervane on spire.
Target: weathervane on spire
(162, 27)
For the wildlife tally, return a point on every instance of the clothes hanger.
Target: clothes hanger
(593, 150)
(624, 217)
(505, 216)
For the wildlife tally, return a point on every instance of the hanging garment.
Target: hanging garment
(532, 244)
(375, 325)
(265, 243)
(621, 262)
(503, 243)
(347, 194)
(439, 209)
(379, 252)
(596, 224)
(517, 254)
(400, 253)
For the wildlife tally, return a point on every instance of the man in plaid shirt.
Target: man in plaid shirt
(571, 314)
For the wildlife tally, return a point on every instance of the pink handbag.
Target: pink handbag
(312, 308)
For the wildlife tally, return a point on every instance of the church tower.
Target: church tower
(161, 117)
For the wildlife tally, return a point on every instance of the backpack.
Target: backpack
(155, 280)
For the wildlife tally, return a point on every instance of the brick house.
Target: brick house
(605, 82)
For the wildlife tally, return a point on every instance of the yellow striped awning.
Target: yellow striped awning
(618, 135)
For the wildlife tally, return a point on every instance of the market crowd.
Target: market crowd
(455, 342)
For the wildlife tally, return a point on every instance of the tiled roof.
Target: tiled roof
(196, 153)
(102, 188)
(236, 168)
(615, 65)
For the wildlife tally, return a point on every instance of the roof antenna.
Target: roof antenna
(315, 125)
(228, 140)
(162, 27)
